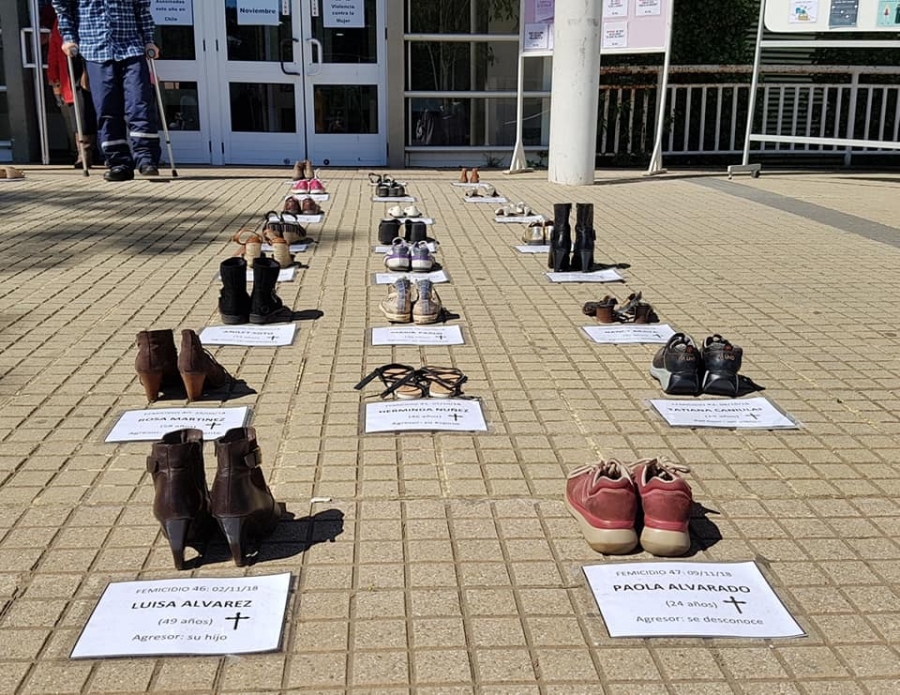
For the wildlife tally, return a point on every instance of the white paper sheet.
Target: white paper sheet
(276, 335)
(648, 8)
(619, 334)
(615, 35)
(150, 425)
(426, 220)
(737, 413)
(522, 219)
(300, 219)
(533, 248)
(429, 414)
(470, 185)
(295, 248)
(384, 249)
(596, 276)
(495, 200)
(318, 197)
(436, 276)
(688, 599)
(389, 199)
(615, 8)
(186, 616)
(284, 274)
(418, 335)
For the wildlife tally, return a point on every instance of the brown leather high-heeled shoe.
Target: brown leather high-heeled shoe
(181, 500)
(157, 362)
(198, 369)
(241, 501)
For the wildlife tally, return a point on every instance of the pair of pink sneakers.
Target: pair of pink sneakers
(605, 500)
(310, 186)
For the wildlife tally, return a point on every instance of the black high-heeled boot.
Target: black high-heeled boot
(579, 236)
(588, 238)
(562, 234)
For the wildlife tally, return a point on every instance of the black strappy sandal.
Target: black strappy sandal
(443, 382)
(400, 379)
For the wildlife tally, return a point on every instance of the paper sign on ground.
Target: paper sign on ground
(186, 616)
(424, 220)
(494, 200)
(688, 599)
(300, 219)
(436, 277)
(524, 219)
(596, 276)
(629, 334)
(295, 248)
(534, 248)
(470, 185)
(445, 414)
(318, 197)
(276, 335)
(392, 199)
(738, 413)
(382, 248)
(418, 335)
(284, 274)
(150, 425)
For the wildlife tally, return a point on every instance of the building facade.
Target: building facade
(342, 82)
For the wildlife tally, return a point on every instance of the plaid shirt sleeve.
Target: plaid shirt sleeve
(67, 14)
(145, 24)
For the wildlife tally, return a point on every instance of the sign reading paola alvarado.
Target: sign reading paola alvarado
(258, 12)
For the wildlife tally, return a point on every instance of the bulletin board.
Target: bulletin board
(826, 16)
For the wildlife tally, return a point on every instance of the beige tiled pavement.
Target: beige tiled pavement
(446, 563)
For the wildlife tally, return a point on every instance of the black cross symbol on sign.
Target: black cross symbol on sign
(455, 417)
(237, 618)
(731, 600)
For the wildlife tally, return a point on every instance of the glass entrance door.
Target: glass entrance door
(344, 75)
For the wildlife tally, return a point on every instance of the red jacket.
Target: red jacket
(57, 69)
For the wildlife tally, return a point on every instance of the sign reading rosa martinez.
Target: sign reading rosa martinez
(344, 14)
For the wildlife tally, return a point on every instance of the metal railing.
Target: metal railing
(707, 110)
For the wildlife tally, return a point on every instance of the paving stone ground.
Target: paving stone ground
(447, 563)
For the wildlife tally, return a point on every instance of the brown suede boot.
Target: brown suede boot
(198, 368)
(156, 362)
(181, 503)
(241, 501)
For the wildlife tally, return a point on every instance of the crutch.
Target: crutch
(151, 58)
(76, 100)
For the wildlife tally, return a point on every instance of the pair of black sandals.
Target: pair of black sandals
(406, 382)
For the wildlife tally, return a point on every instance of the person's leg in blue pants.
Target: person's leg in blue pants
(109, 102)
(140, 112)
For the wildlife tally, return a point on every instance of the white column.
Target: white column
(575, 91)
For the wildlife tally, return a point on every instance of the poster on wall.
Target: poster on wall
(804, 11)
(843, 13)
(172, 13)
(544, 10)
(615, 35)
(258, 12)
(343, 14)
(888, 13)
(615, 8)
(537, 37)
(648, 8)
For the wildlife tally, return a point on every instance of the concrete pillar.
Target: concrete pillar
(575, 91)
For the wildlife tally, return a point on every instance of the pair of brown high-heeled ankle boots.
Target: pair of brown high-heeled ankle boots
(239, 502)
(161, 368)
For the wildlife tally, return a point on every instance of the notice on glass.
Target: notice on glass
(544, 10)
(689, 599)
(150, 425)
(277, 335)
(843, 13)
(537, 37)
(258, 12)
(615, 35)
(436, 277)
(615, 8)
(172, 13)
(736, 413)
(186, 616)
(804, 11)
(629, 334)
(596, 276)
(648, 8)
(888, 13)
(418, 335)
(343, 14)
(425, 414)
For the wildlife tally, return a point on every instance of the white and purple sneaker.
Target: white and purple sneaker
(399, 257)
(421, 258)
